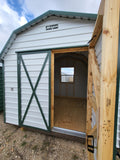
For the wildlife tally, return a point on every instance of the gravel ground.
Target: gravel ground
(17, 144)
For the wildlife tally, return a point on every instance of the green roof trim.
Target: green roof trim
(47, 14)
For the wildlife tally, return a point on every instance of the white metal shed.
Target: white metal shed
(27, 64)
(34, 57)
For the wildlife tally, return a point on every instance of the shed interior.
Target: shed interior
(70, 90)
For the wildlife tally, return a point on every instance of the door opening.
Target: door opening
(70, 90)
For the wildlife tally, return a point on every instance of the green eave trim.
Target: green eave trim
(64, 14)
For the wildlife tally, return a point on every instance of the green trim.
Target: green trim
(34, 89)
(43, 17)
(50, 90)
(64, 14)
(36, 128)
(19, 87)
(42, 50)
(32, 52)
(117, 100)
(1, 88)
(4, 110)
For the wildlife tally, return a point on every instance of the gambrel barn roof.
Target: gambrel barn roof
(63, 14)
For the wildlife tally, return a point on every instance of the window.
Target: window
(67, 74)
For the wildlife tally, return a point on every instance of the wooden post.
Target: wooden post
(108, 79)
(52, 89)
(89, 110)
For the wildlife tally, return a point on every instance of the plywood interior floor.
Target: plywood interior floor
(70, 113)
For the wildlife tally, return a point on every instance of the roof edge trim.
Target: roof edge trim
(64, 14)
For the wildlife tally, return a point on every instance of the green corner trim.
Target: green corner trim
(4, 110)
(1, 88)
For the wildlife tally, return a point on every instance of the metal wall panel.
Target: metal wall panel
(118, 124)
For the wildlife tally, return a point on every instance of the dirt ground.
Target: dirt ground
(17, 144)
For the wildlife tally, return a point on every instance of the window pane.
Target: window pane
(66, 78)
(67, 71)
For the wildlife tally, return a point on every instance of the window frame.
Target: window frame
(71, 75)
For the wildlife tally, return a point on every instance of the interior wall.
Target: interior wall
(79, 87)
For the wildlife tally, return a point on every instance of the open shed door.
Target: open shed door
(93, 88)
(93, 99)
(34, 89)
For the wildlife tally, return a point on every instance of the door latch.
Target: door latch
(90, 147)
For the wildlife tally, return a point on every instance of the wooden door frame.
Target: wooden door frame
(53, 52)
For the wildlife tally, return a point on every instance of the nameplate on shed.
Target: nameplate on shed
(52, 27)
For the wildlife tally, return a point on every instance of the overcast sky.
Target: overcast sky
(15, 13)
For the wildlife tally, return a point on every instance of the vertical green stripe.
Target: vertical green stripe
(117, 100)
(26, 111)
(3, 71)
(1, 89)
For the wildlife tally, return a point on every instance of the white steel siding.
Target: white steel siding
(11, 90)
(118, 122)
(118, 125)
(71, 32)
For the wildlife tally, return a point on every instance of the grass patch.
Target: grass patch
(25, 136)
(35, 148)
(45, 145)
(23, 143)
(14, 141)
(75, 157)
(5, 131)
